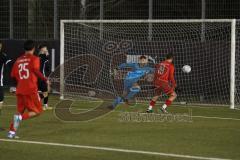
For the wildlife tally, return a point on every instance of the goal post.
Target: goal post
(233, 64)
(107, 43)
(61, 60)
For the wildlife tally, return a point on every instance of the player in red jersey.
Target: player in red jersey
(26, 71)
(164, 82)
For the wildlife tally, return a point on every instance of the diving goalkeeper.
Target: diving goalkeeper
(131, 87)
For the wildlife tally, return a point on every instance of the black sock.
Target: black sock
(41, 95)
(45, 100)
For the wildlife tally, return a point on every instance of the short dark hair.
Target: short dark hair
(169, 56)
(142, 57)
(29, 45)
(42, 46)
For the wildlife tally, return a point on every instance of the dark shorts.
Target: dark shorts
(42, 86)
(1, 94)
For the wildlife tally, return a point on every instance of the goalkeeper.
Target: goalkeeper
(131, 87)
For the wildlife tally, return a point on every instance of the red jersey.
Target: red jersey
(26, 71)
(164, 72)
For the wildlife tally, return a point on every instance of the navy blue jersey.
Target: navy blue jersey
(4, 60)
(44, 65)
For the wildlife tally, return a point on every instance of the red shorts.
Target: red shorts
(163, 88)
(30, 102)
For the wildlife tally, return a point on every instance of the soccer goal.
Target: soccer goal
(91, 50)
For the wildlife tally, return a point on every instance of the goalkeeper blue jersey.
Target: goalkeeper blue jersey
(137, 71)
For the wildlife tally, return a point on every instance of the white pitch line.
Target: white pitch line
(9, 105)
(221, 118)
(113, 149)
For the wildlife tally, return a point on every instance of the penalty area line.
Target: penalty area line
(220, 118)
(112, 149)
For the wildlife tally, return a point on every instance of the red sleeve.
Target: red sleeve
(40, 75)
(36, 63)
(171, 77)
(36, 69)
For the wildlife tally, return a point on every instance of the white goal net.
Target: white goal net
(91, 50)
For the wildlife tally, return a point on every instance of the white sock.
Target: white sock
(45, 105)
(20, 117)
(164, 106)
(150, 108)
(12, 132)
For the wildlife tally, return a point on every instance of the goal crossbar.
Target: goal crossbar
(151, 21)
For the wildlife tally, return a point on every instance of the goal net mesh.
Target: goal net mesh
(92, 52)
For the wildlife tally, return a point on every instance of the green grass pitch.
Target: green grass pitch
(217, 137)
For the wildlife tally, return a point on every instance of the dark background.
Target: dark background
(35, 18)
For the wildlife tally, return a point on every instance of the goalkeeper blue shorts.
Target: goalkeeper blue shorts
(128, 83)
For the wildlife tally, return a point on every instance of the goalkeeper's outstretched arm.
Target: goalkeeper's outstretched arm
(126, 65)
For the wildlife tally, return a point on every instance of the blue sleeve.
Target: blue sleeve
(124, 65)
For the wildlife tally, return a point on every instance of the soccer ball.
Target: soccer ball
(150, 77)
(91, 93)
(186, 69)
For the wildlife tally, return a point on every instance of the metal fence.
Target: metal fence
(39, 19)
